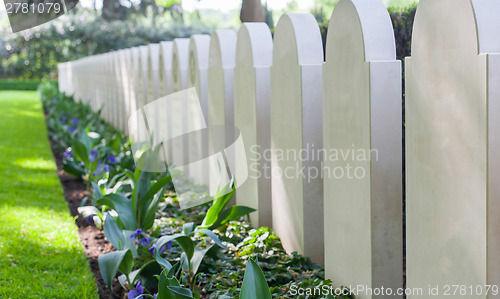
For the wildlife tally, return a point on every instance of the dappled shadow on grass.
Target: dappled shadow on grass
(37, 233)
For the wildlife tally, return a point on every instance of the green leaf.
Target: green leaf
(81, 152)
(123, 206)
(180, 291)
(212, 236)
(163, 291)
(220, 202)
(157, 186)
(234, 213)
(149, 214)
(112, 262)
(113, 232)
(254, 283)
(198, 258)
(146, 274)
(188, 228)
(187, 245)
(141, 187)
(74, 169)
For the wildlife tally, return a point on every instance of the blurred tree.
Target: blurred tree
(252, 11)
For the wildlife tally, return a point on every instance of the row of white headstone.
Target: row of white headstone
(325, 135)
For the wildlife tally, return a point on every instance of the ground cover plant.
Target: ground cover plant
(158, 249)
(40, 251)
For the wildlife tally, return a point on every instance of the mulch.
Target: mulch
(93, 240)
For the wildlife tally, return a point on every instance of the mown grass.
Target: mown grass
(40, 252)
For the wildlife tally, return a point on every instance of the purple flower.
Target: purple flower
(93, 155)
(111, 159)
(63, 119)
(67, 154)
(168, 247)
(136, 234)
(90, 220)
(139, 290)
(152, 249)
(105, 168)
(145, 241)
(71, 129)
(155, 294)
(75, 121)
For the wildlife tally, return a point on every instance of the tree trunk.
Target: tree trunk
(252, 11)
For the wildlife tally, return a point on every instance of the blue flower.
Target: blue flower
(75, 121)
(111, 159)
(54, 100)
(71, 129)
(145, 241)
(168, 247)
(136, 234)
(67, 154)
(93, 155)
(105, 168)
(63, 119)
(139, 290)
(90, 219)
(155, 294)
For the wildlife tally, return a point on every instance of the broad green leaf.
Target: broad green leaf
(74, 169)
(220, 202)
(198, 258)
(187, 245)
(234, 213)
(150, 211)
(81, 152)
(157, 186)
(112, 262)
(163, 284)
(188, 228)
(254, 283)
(141, 187)
(113, 232)
(146, 274)
(212, 236)
(123, 206)
(180, 291)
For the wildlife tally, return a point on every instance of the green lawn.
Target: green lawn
(40, 251)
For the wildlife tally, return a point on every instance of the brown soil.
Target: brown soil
(93, 240)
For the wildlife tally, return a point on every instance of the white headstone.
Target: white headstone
(156, 73)
(296, 128)
(166, 49)
(362, 129)
(222, 58)
(144, 75)
(178, 122)
(453, 147)
(198, 78)
(252, 102)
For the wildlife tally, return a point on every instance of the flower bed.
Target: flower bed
(159, 249)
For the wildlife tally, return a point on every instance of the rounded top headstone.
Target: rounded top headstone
(223, 48)
(297, 37)
(364, 25)
(254, 45)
